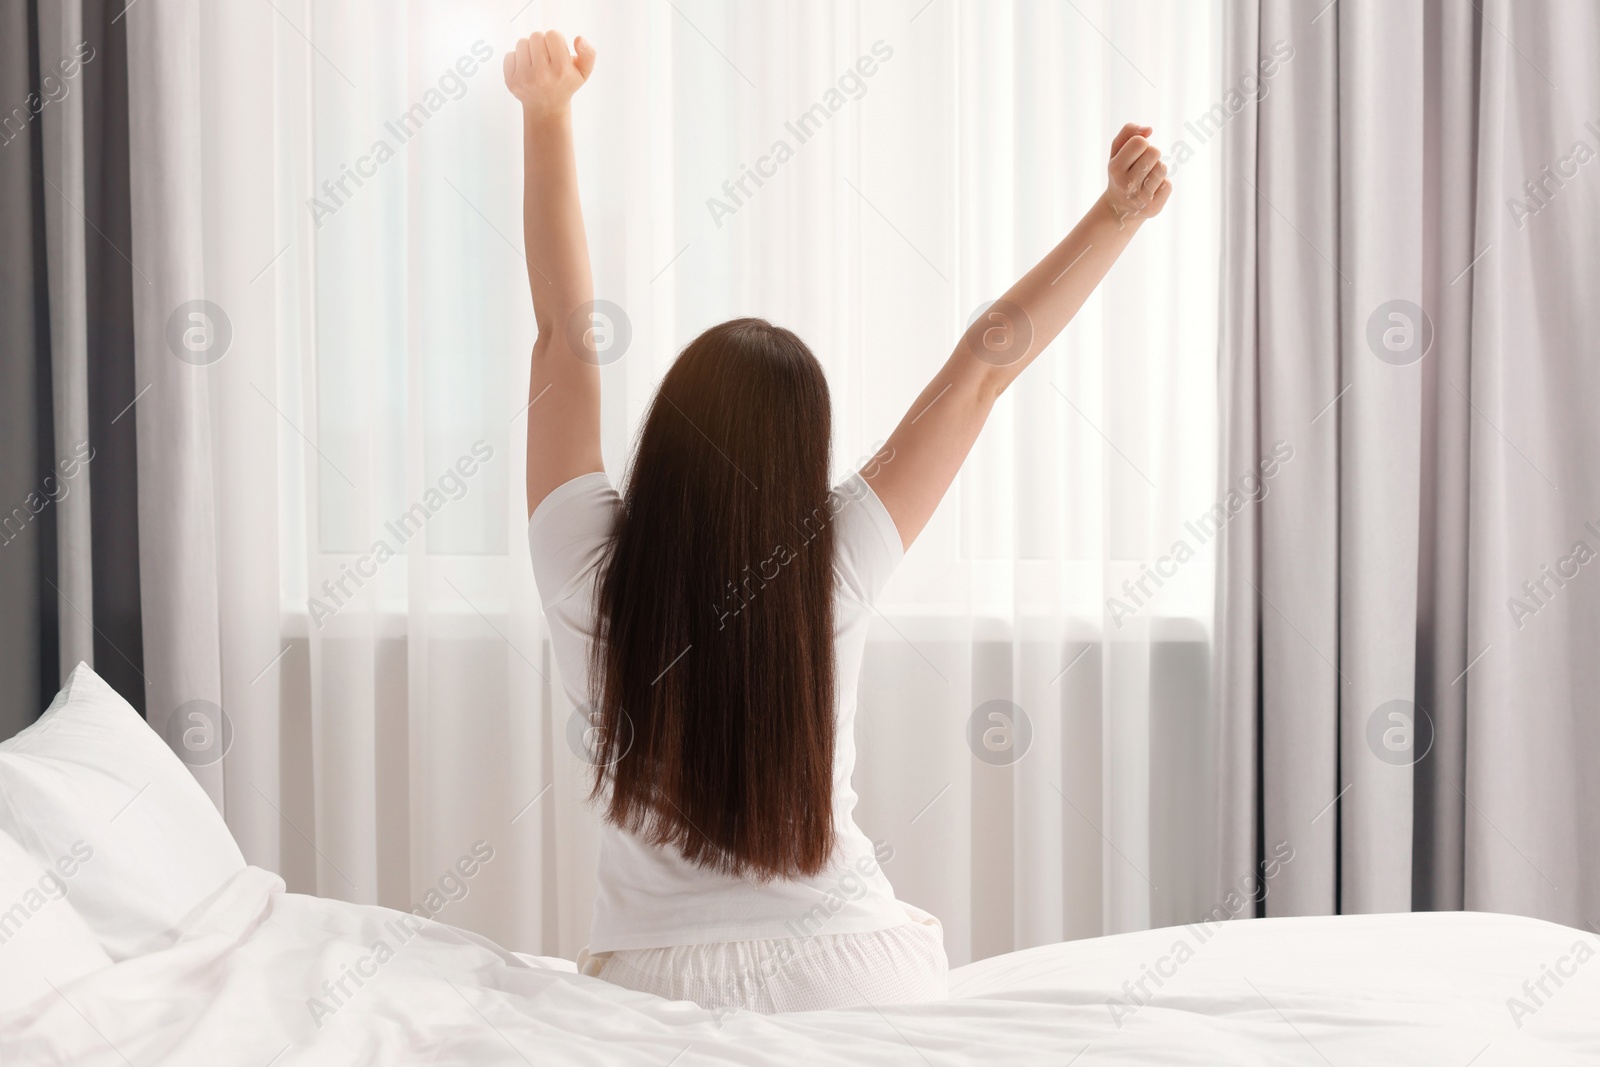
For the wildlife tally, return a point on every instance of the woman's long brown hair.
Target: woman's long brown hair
(713, 676)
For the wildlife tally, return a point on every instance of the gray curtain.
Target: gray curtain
(1409, 624)
(24, 359)
(69, 545)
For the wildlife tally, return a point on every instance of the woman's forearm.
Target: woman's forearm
(552, 221)
(1038, 306)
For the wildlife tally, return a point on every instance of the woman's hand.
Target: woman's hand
(1136, 179)
(542, 74)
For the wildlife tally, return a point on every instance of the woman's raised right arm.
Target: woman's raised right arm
(563, 427)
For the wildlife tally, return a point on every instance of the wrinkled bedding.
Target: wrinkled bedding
(260, 977)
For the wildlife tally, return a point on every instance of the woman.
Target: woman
(711, 620)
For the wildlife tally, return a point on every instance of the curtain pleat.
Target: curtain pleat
(1438, 793)
(1531, 802)
(61, 127)
(113, 391)
(177, 490)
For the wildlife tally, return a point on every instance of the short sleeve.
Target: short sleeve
(866, 543)
(568, 533)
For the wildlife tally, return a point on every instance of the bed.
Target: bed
(251, 974)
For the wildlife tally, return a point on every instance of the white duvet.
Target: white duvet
(260, 977)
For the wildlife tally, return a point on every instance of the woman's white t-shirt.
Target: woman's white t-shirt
(651, 897)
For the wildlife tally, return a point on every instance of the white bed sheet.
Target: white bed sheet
(238, 986)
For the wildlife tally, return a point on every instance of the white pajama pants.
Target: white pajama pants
(903, 964)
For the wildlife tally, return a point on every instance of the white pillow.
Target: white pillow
(91, 771)
(43, 941)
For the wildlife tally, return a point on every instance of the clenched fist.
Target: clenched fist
(1136, 179)
(542, 74)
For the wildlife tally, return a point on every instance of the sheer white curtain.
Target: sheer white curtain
(349, 201)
